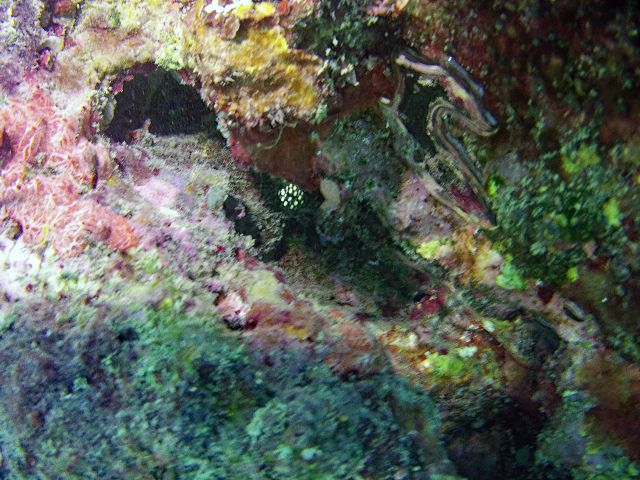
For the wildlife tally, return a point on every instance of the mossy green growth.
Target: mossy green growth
(363, 151)
(114, 19)
(167, 394)
(355, 239)
(576, 160)
(612, 212)
(357, 246)
(140, 393)
(545, 221)
(343, 34)
(462, 364)
(509, 277)
(570, 444)
(294, 441)
(450, 365)
(434, 249)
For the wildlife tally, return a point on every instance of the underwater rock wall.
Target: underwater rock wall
(319, 239)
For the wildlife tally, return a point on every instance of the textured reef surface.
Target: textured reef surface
(321, 239)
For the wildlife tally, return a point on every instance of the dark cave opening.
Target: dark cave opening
(170, 107)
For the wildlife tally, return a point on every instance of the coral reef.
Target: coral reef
(328, 239)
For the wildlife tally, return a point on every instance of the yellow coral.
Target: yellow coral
(259, 51)
(253, 77)
(264, 10)
(257, 76)
(257, 12)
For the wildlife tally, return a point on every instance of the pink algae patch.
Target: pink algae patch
(47, 163)
(159, 193)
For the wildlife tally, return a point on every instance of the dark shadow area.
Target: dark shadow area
(172, 108)
(415, 106)
(351, 244)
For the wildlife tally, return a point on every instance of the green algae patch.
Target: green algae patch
(434, 249)
(165, 392)
(575, 161)
(509, 277)
(462, 365)
(449, 365)
(612, 212)
(324, 447)
(545, 222)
